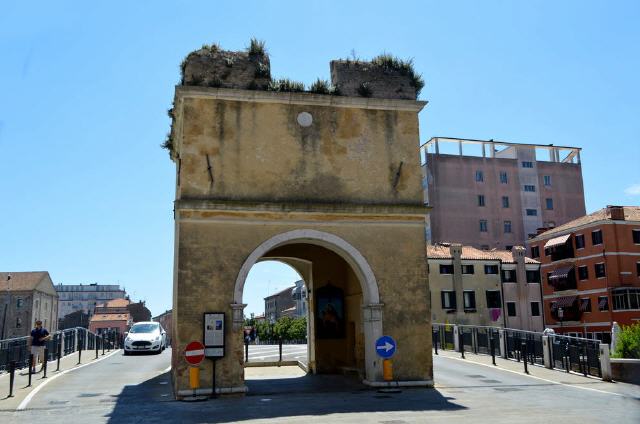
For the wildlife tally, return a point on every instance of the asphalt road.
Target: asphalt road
(269, 353)
(137, 389)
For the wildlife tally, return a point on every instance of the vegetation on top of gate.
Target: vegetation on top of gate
(628, 342)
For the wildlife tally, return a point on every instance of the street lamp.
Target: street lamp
(560, 315)
(6, 306)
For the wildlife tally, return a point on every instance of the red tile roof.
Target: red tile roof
(631, 213)
(443, 251)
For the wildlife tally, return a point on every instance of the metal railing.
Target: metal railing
(62, 343)
(563, 352)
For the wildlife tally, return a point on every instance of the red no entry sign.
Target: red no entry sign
(194, 353)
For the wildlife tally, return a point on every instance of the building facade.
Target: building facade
(24, 298)
(291, 302)
(85, 297)
(489, 288)
(166, 321)
(490, 194)
(591, 270)
(111, 317)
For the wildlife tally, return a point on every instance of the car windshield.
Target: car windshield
(144, 328)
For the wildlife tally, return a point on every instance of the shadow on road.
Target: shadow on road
(153, 401)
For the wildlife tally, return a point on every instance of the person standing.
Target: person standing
(39, 337)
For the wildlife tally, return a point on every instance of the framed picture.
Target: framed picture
(329, 312)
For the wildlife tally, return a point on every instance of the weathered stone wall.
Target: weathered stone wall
(220, 68)
(385, 83)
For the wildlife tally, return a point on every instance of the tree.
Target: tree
(298, 329)
(282, 327)
(628, 343)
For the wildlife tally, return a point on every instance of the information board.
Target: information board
(214, 334)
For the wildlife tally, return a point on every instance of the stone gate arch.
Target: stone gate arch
(371, 306)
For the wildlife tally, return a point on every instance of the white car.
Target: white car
(145, 337)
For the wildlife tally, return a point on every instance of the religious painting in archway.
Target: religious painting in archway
(329, 312)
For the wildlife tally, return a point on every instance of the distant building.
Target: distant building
(24, 298)
(113, 316)
(73, 320)
(291, 302)
(85, 297)
(492, 288)
(591, 268)
(490, 194)
(166, 321)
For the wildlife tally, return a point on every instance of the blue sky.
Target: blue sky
(87, 192)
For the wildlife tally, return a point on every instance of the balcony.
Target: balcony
(559, 248)
(563, 278)
(565, 309)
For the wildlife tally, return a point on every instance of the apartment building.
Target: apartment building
(291, 302)
(490, 194)
(477, 287)
(85, 297)
(591, 269)
(24, 298)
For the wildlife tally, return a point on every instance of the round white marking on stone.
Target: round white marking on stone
(305, 119)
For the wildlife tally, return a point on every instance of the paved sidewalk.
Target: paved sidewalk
(20, 389)
(551, 375)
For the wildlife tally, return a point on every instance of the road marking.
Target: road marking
(30, 396)
(538, 378)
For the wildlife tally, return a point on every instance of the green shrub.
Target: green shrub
(256, 47)
(628, 343)
(262, 70)
(168, 143)
(286, 85)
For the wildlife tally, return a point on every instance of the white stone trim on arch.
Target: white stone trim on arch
(354, 258)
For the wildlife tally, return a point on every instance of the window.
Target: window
(549, 203)
(493, 299)
(532, 212)
(491, 269)
(533, 276)
(638, 269)
(446, 269)
(603, 303)
(19, 302)
(636, 236)
(503, 177)
(530, 188)
(585, 304)
(479, 176)
(448, 299)
(624, 299)
(469, 297)
(508, 247)
(507, 227)
(580, 241)
(508, 275)
(583, 272)
(596, 237)
(535, 251)
(483, 225)
(484, 247)
(480, 199)
(18, 322)
(505, 201)
(511, 309)
(467, 269)
(527, 164)
(600, 271)
(37, 304)
(547, 180)
(535, 309)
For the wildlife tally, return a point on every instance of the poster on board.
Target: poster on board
(214, 334)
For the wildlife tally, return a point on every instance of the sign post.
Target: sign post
(213, 336)
(385, 348)
(194, 354)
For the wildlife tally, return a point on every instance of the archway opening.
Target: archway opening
(338, 300)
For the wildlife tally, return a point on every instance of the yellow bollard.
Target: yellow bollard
(194, 377)
(387, 370)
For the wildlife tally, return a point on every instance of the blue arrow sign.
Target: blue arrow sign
(385, 347)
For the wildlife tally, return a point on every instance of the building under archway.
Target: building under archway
(328, 184)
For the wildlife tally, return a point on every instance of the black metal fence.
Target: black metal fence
(575, 354)
(18, 349)
(565, 353)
